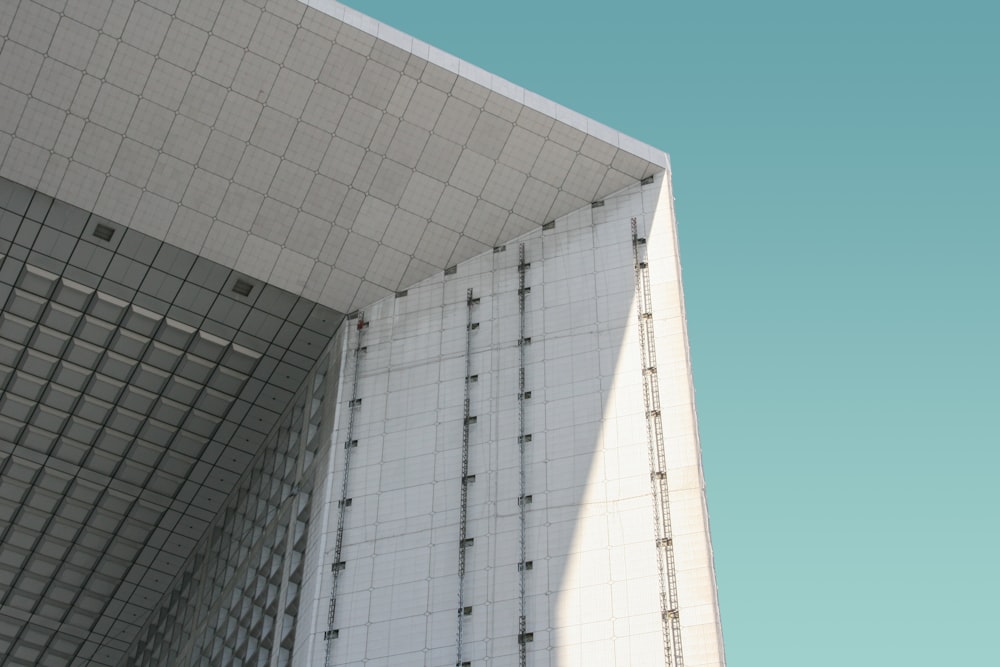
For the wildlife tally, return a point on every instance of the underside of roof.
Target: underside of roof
(310, 147)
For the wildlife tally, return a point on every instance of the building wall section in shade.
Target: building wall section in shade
(238, 598)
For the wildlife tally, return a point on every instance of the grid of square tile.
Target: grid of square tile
(237, 600)
(309, 109)
(137, 382)
(591, 576)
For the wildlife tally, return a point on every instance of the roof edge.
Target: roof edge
(494, 83)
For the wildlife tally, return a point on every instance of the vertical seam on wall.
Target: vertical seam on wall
(463, 515)
(352, 408)
(666, 566)
(522, 638)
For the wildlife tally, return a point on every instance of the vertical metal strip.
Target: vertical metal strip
(342, 510)
(522, 266)
(462, 522)
(669, 604)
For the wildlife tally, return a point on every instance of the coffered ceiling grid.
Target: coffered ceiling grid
(136, 383)
(307, 146)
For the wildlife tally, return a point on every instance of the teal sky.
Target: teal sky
(837, 173)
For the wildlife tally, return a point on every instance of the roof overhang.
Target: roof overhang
(307, 146)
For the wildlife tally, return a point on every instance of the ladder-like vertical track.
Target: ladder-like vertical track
(522, 638)
(462, 522)
(669, 606)
(349, 446)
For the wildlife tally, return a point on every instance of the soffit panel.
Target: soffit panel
(309, 147)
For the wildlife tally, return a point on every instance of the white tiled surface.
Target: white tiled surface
(227, 107)
(334, 157)
(591, 597)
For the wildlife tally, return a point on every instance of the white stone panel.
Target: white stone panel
(592, 594)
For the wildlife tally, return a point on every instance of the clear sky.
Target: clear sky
(837, 174)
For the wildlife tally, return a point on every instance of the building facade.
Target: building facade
(322, 347)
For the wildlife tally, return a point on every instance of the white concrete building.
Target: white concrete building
(320, 346)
